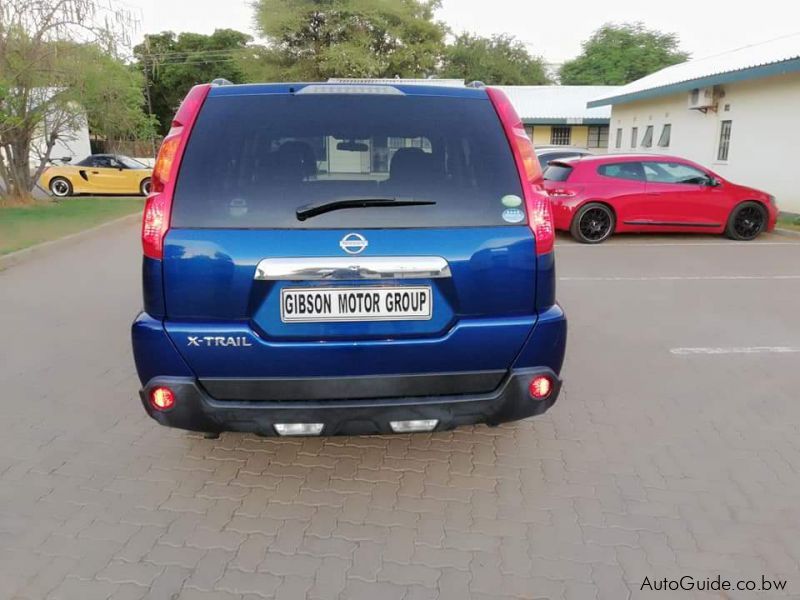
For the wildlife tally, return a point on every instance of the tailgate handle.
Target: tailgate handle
(367, 267)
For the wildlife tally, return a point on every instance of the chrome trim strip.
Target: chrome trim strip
(352, 267)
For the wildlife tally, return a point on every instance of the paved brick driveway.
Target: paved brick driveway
(656, 461)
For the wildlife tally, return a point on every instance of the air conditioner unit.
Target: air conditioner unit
(703, 98)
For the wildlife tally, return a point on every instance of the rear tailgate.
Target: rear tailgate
(251, 291)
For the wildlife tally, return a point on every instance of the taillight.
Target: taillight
(540, 213)
(166, 156)
(155, 222)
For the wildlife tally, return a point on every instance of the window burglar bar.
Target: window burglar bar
(724, 140)
(598, 137)
(560, 136)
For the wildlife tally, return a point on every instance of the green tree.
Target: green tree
(498, 60)
(172, 64)
(317, 39)
(619, 54)
(58, 68)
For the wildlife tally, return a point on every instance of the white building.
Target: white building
(738, 113)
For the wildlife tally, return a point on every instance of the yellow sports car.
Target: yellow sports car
(98, 174)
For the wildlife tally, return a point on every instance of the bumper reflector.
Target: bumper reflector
(415, 425)
(162, 398)
(540, 387)
(299, 428)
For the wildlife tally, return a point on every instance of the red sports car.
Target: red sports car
(595, 196)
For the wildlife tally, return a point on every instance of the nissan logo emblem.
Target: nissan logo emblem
(353, 243)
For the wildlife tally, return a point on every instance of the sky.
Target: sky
(553, 30)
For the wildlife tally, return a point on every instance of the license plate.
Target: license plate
(319, 305)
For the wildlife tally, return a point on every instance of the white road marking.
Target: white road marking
(737, 350)
(684, 278)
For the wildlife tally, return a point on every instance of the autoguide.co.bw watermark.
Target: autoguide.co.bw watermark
(716, 584)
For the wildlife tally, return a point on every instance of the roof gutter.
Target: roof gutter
(567, 121)
(779, 68)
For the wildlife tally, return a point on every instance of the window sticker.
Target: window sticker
(513, 215)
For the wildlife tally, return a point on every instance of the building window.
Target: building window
(634, 136)
(663, 141)
(618, 142)
(724, 140)
(598, 137)
(647, 140)
(560, 136)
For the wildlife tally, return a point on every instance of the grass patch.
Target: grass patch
(791, 222)
(42, 221)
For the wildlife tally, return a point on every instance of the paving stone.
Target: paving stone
(239, 582)
(209, 570)
(142, 574)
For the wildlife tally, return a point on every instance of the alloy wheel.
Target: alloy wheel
(595, 224)
(748, 222)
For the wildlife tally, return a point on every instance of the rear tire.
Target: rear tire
(746, 221)
(60, 187)
(594, 223)
(144, 187)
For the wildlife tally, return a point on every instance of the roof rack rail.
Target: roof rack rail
(221, 81)
(475, 84)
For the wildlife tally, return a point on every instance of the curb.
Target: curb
(786, 232)
(15, 258)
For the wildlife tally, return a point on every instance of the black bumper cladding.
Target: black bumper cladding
(196, 410)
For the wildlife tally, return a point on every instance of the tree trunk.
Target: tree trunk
(18, 178)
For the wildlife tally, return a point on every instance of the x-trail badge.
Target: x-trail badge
(353, 243)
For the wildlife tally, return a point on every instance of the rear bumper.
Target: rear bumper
(196, 410)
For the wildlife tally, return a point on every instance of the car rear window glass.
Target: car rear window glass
(557, 172)
(253, 160)
(625, 170)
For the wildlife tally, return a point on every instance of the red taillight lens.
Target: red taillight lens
(155, 222)
(540, 213)
(540, 387)
(166, 157)
(162, 398)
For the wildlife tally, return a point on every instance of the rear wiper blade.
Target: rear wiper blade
(312, 210)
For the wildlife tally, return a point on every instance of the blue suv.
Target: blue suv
(342, 258)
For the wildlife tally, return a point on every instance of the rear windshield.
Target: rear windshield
(557, 172)
(253, 160)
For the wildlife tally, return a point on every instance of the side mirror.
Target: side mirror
(713, 182)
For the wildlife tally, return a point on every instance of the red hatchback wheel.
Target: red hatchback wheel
(593, 224)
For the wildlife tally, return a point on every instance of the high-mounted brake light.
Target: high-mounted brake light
(540, 212)
(155, 222)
